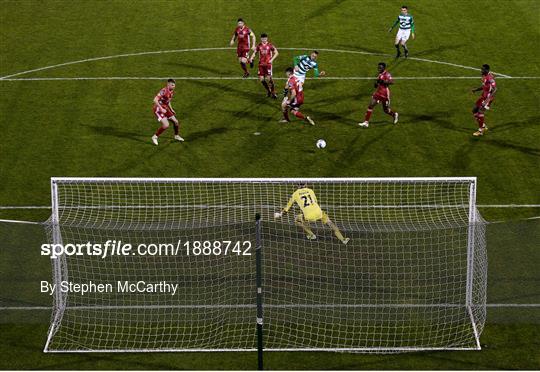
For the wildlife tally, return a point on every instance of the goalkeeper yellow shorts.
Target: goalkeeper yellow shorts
(313, 217)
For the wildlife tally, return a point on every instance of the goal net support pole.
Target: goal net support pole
(259, 275)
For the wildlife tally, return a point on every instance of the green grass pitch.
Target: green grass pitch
(103, 128)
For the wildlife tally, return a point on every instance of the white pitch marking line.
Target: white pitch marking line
(513, 305)
(411, 58)
(111, 57)
(98, 78)
(25, 207)
(509, 206)
(454, 65)
(23, 222)
(233, 306)
(223, 48)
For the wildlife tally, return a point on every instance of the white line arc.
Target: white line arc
(223, 48)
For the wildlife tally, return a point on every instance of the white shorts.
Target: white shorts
(300, 78)
(403, 35)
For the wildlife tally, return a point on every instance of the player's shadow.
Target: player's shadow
(461, 160)
(358, 148)
(188, 66)
(323, 9)
(440, 48)
(204, 134)
(343, 117)
(258, 98)
(439, 118)
(148, 153)
(534, 151)
(394, 63)
(118, 133)
(512, 125)
(364, 49)
(251, 114)
(197, 101)
(360, 98)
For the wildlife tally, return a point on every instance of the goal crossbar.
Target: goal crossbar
(261, 179)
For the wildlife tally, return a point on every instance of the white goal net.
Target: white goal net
(411, 277)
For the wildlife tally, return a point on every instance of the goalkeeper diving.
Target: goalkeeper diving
(305, 198)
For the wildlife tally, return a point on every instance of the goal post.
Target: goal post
(413, 275)
(58, 266)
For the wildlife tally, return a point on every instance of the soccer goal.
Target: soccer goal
(411, 277)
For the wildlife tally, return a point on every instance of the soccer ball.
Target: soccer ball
(321, 144)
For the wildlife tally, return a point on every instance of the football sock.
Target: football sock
(405, 48)
(390, 112)
(306, 228)
(176, 128)
(368, 114)
(286, 115)
(338, 233)
(309, 232)
(272, 86)
(243, 65)
(299, 115)
(397, 47)
(480, 119)
(265, 85)
(159, 131)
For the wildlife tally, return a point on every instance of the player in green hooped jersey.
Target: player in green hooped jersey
(406, 29)
(304, 63)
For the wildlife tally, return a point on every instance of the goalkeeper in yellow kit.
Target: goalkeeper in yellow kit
(311, 212)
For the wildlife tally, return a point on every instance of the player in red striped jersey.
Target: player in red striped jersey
(488, 88)
(164, 111)
(381, 95)
(267, 54)
(245, 38)
(294, 98)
